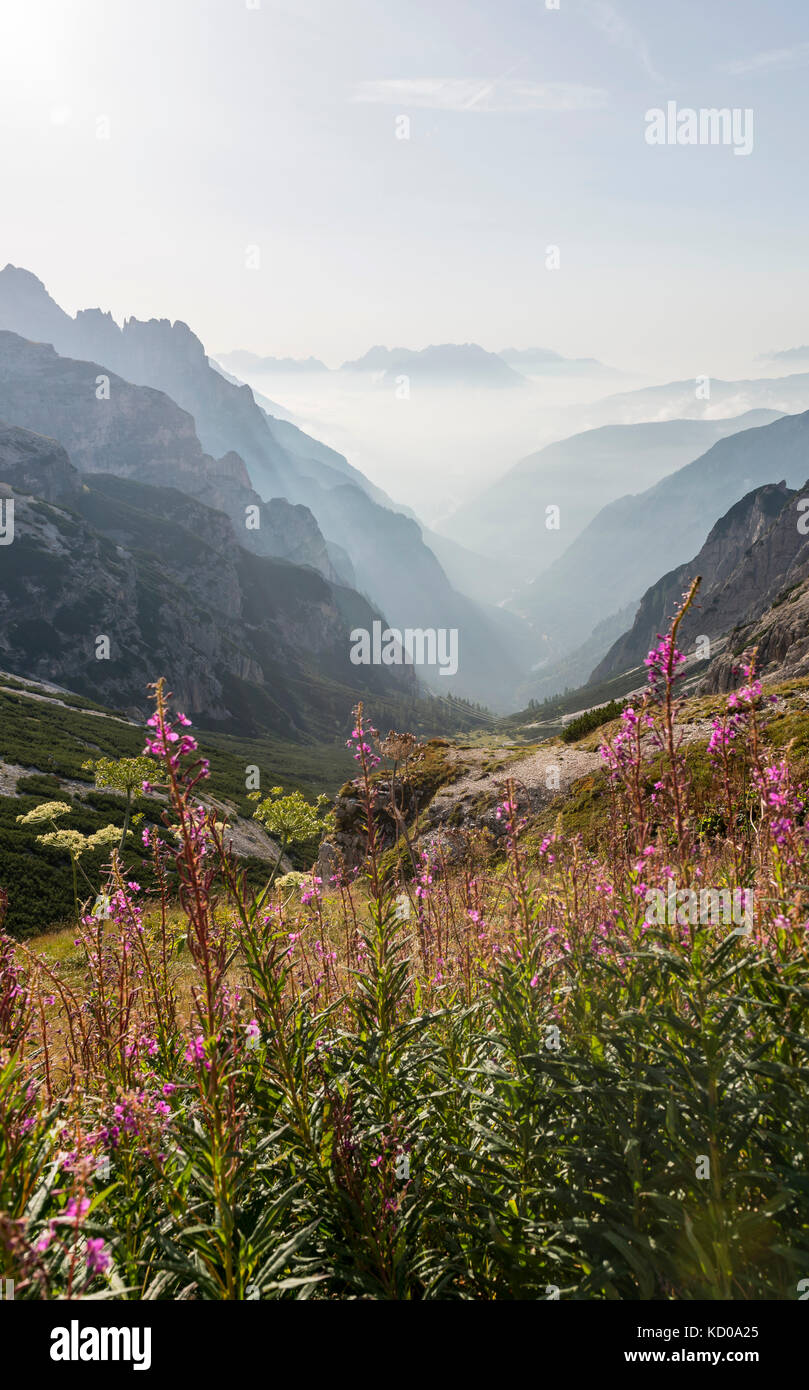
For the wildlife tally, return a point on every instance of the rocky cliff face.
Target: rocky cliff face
(38, 465)
(246, 642)
(727, 552)
(752, 556)
(781, 639)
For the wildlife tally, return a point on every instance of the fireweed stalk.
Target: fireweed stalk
(662, 665)
(734, 744)
(509, 814)
(652, 724)
(211, 1053)
(385, 979)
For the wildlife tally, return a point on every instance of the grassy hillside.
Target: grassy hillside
(549, 717)
(50, 737)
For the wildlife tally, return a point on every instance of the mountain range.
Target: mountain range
(140, 470)
(697, 398)
(457, 364)
(541, 361)
(445, 364)
(242, 456)
(755, 561)
(243, 361)
(579, 475)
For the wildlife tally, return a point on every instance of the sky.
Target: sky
(238, 164)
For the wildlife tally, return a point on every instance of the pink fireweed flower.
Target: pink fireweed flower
(620, 755)
(125, 1117)
(195, 1051)
(778, 794)
(312, 891)
(739, 709)
(507, 810)
(361, 748)
(166, 743)
(75, 1211)
(97, 1258)
(662, 660)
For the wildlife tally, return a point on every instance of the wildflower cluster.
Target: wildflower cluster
(424, 1081)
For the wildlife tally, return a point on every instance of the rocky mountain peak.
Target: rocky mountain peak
(162, 336)
(25, 300)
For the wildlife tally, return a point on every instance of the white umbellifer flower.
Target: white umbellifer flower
(47, 810)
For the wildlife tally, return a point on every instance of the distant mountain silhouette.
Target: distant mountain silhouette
(541, 361)
(242, 361)
(447, 364)
(579, 475)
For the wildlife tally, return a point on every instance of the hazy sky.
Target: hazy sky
(272, 123)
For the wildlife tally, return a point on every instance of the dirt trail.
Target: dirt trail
(542, 774)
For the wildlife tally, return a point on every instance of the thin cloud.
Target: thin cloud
(480, 94)
(770, 58)
(622, 33)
